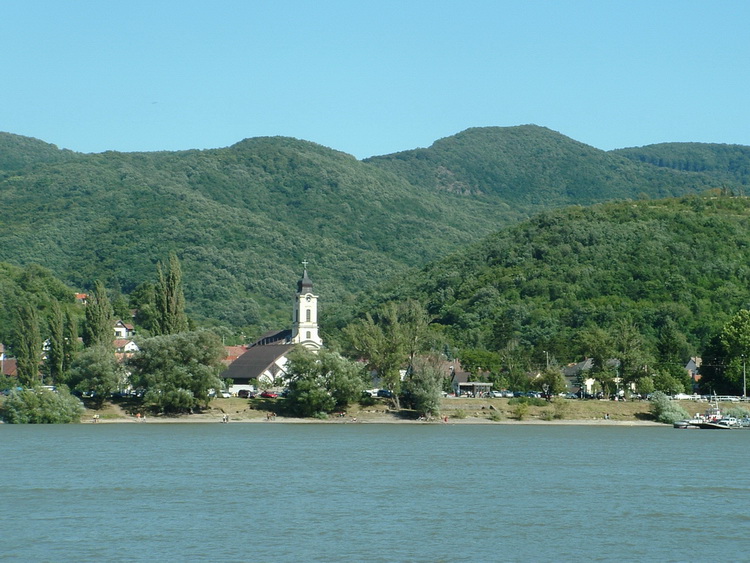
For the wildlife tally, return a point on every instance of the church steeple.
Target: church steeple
(305, 326)
(305, 284)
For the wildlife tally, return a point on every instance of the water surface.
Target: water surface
(372, 492)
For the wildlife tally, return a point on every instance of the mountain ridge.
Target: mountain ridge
(243, 217)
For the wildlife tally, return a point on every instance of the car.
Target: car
(497, 394)
(385, 393)
(268, 395)
(245, 394)
(225, 394)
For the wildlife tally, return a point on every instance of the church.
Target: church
(264, 362)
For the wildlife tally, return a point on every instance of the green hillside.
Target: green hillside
(726, 163)
(242, 218)
(533, 167)
(683, 263)
(18, 152)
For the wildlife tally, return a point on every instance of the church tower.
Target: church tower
(305, 323)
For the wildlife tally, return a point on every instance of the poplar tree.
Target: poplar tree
(56, 352)
(99, 318)
(70, 341)
(170, 299)
(28, 347)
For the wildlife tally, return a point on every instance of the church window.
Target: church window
(308, 335)
(307, 315)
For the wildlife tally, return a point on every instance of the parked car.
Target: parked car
(385, 393)
(225, 394)
(497, 394)
(245, 394)
(268, 395)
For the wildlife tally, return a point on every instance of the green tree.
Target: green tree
(423, 387)
(70, 341)
(178, 370)
(629, 349)
(597, 345)
(98, 330)
(735, 342)
(322, 382)
(169, 299)
(41, 406)
(56, 351)
(380, 341)
(28, 346)
(97, 370)
(477, 360)
(414, 325)
(551, 381)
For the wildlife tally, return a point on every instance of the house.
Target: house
(693, 369)
(575, 374)
(463, 385)
(264, 362)
(8, 365)
(124, 330)
(125, 346)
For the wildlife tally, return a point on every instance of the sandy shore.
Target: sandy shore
(206, 418)
(454, 411)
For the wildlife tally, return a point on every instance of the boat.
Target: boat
(712, 419)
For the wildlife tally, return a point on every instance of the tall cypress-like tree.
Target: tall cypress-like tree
(170, 299)
(71, 344)
(56, 352)
(28, 347)
(99, 318)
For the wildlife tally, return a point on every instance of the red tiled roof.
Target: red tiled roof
(10, 368)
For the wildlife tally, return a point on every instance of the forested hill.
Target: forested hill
(682, 263)
(242, 218)
(18, 152)
(727, 163)
(532, 167)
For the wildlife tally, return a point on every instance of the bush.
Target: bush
(41, 406)
(737, 412)
(459, 413)
(561, 408)
(666, 410)
(520, 410)
(533, 401)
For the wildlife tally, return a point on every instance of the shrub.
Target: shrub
(737, 412)
(560, 409)
(666, 410)
(41, 406)
(533, 401)
(459, 413)
(496, 416)
(521, 410)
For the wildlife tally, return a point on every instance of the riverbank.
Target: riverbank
(453, 411)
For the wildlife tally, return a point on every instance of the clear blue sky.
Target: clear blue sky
(371, 77)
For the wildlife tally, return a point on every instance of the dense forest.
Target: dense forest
(242, 218)
(673, 269)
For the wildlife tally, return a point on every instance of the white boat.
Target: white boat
(712, 419)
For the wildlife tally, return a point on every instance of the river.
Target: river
(372, 492)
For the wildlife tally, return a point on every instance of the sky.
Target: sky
(371, 77)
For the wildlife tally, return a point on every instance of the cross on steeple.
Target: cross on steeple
(304, 263)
